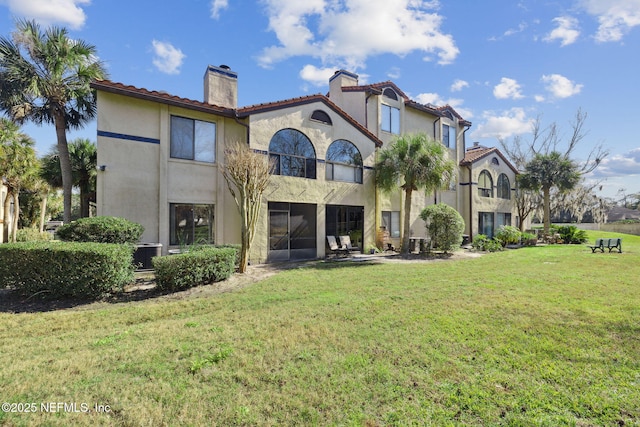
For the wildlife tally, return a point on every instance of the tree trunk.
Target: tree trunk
(85, 191)
(16, 214)
(244, 238)
(65, 164)
(406, 229)
(6, 225)
(547, 209)
(43, 210)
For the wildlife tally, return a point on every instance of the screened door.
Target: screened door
(346, 221)
(292, 231)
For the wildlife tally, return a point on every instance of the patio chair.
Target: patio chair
(335, 249)
(345, 242)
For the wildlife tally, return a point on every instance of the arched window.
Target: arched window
(485, 184)
(390, 93)
(322, 117)
(344, 162)
(504, 187)
(495, 161)
(292, 154)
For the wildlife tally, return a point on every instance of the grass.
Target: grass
(542, 336)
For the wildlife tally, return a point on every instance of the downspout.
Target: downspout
(435, 192)
(470, 206)
(464, 150)
(246, 126)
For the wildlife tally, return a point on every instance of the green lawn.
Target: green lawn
(536, 336)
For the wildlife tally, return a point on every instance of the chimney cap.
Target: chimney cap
(224, 67)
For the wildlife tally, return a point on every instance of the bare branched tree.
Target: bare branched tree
(543, 142)
(247, 175)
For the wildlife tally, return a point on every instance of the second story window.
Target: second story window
(292, 154)
(390, 119)
(193, 140)
(504, 187)
(344, 162)
(449, 137)
(485, 184)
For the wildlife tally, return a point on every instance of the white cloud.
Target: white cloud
(348, 32)
(561, 87)
(217, 6)
(49, 12)
(616, 17)
(566, 31)
(458, 85)
(394, 73)
(168, 59)
(437, 100)
(507, 89)
(620, 165)
(316, 76)
(512, 31)
(503, 125)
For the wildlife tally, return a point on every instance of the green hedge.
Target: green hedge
(101, 229)
(198, 267)
(66, 269)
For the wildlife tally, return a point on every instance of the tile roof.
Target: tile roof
(293, 102)
(165, 98)
(377, 88)
(479, 152)
(162, 97)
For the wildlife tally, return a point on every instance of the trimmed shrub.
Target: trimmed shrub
(529, 239)
(101, 229)
(508, 235)
(66, 269)
(482, 243)
(197, 267)
(445, 226)
(32, 235)
(572, 234)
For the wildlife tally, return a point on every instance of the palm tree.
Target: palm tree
(83, 156)
(18, 164)
(546, 171)
(421, 162)
(45, 78)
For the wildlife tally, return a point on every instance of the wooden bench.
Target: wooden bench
(615, 243)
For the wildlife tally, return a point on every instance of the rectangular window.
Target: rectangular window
(341, 172)
(191, 224)
(391, 221)
(448, 137)
(193, 139)
(390, 119)
(485, 223)
(503, 219)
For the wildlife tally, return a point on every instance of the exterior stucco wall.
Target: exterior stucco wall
(319, 191)
(140, 179)
(492, 204)
(129, 185)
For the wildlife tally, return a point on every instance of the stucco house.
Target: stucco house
(159, 157)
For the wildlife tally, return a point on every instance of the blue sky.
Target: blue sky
(499, 63)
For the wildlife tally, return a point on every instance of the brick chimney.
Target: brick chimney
(221, 86)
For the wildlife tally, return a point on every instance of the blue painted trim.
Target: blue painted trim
(128, 137)
(223, 71)
(352, 75)
(321, 160)
(260, 151)
(369, 168)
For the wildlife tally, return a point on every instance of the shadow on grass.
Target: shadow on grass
(144, 288)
